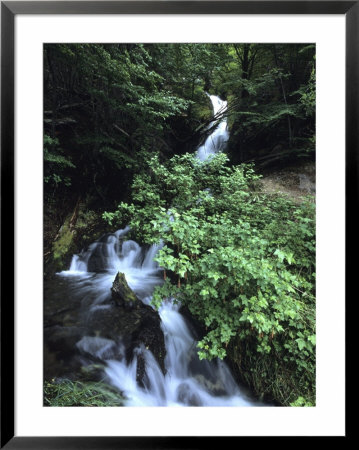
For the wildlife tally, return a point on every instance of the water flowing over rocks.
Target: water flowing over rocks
(98, 315)
(219, 137)
(113, 329)
(133, 324)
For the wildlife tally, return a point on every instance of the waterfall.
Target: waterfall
(217, 140)
(187, 380)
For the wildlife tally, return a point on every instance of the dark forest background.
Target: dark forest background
(109, 107)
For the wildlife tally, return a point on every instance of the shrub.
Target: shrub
(242, 261)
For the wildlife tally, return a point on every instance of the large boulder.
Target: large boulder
(122, 294)
(132, 323)
(122, 318)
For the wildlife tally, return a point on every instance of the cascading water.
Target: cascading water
(217, 140)
(187, 380)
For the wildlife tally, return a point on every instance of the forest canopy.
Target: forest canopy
(109, 107)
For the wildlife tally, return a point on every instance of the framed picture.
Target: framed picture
(38, 39)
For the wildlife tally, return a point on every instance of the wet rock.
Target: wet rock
(60, 353)
(131, 326)
(122, 294)
(97, 260)
(187, 396)
(59, 309)
(197, 328)
(98, 347)
(81, 227)
(76, 337)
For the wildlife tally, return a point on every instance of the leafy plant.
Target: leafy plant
(242, 261)
(55, 163)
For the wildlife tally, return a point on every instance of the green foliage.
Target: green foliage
(110, 107)
(308, 95)
(243, 262)
(55, 163)
(301, 402)
(76, 393)
(271, 92)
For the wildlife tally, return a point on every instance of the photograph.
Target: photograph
(179, 224)
(177, 180)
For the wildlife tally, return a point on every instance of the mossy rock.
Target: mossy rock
(122, 294)
(63, 243)
(74, 235)
(63, 248)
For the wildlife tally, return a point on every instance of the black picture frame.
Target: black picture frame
(9, 9)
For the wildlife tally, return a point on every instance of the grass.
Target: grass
(76, 393)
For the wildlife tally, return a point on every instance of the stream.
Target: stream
(186, 381)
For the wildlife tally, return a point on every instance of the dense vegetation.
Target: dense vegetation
(108, 108)
(240, 260)
(121, 124)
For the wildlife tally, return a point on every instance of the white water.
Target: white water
(188, 381)
(218, 139)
